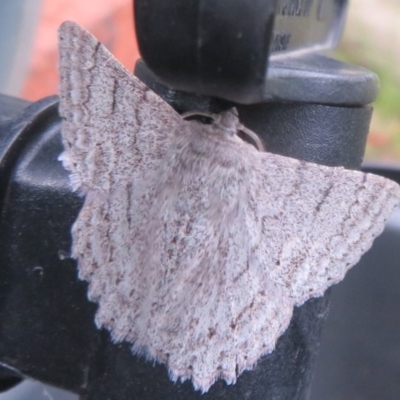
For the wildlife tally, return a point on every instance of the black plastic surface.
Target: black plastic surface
(314, 78)
(38, 304)
(227, 48)
(8, 379)
(218, 48)
(316, 133)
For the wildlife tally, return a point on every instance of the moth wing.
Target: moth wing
(116, 133)
(190, 293)
(114, 127)
(315, 222)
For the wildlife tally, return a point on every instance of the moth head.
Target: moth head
(227, 124)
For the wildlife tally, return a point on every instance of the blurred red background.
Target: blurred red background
(110, 21)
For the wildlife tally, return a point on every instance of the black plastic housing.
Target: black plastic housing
(225, 48)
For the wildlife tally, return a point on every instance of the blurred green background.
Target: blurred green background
(372, 40)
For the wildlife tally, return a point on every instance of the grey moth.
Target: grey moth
(196, 245)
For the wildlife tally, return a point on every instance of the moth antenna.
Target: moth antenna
(206, 114)
(253, 136)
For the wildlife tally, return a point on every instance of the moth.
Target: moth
(195, 244)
